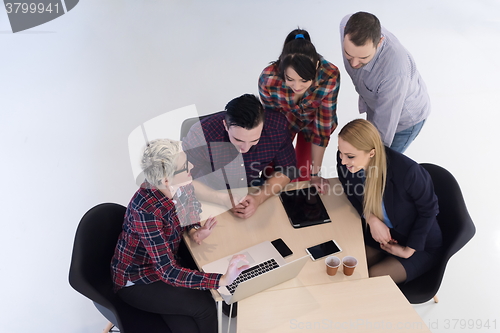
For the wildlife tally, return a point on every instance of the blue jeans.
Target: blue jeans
(403, 139)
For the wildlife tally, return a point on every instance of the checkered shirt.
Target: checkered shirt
(146, 251)
(315, 114)
(209, 149)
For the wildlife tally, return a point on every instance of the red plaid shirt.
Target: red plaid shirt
(147, 247)
(316, 113)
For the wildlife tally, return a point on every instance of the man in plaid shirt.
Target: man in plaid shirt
(233, 149)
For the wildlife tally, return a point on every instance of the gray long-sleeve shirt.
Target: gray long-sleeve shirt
(391, 90)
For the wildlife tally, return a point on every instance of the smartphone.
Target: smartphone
(324, 249)
(282, 248)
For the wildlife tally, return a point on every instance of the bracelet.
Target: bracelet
(315, 174)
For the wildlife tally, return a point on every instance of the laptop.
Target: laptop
(267, 269)
(304, 207)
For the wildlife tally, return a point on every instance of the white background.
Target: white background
(72, 90)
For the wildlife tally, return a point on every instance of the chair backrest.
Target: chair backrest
(457, 228)
(453, 218)
(94, 245)
(90, 270)
(188, 123)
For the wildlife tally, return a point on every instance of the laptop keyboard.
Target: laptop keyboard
(253, 271)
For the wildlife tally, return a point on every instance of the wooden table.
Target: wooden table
(363, 305)
(233, 234)
(311, 301)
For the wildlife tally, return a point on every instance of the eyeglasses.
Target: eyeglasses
(186, 168)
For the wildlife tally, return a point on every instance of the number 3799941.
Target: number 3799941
(31, 7)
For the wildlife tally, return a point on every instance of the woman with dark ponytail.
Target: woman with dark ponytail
(304, 87)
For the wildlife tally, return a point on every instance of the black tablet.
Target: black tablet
(304, 207)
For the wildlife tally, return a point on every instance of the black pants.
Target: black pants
(184, 310)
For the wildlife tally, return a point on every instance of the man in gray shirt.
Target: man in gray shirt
(390, 89)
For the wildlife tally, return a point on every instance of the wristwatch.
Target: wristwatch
(195, 226)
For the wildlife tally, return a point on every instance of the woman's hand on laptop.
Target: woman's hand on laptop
(200, 234)
(233, 270)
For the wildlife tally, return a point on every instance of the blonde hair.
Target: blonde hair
(158, 160)
(363, 135)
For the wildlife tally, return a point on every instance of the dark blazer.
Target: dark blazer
(409, 200)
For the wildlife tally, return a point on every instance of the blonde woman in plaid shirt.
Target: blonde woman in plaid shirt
(147, 268)
(303, 86)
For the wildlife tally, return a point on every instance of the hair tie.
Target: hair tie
(299, 36)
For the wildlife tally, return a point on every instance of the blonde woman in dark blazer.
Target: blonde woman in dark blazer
(395, 196)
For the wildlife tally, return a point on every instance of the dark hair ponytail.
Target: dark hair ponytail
(297, 34)
(300, 54)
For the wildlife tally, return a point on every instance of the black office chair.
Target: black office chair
(457, 228)
(90, 272)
